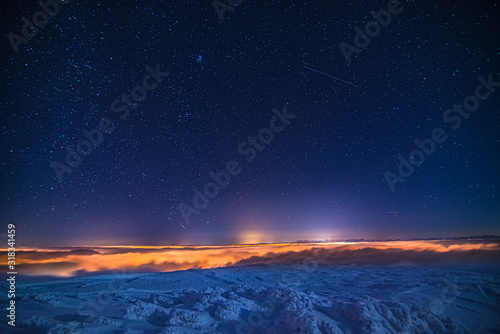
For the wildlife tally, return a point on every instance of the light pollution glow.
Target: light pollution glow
(66, 262)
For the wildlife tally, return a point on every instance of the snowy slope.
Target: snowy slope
(265, 299)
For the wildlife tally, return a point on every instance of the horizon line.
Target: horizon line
(343, 240)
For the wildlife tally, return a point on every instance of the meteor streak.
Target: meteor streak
(331, 76)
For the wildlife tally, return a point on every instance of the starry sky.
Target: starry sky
(323, 175)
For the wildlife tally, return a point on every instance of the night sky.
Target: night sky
(321, 173)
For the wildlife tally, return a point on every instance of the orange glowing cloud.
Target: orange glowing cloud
(93, 260)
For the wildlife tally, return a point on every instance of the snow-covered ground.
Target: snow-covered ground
(264, 299)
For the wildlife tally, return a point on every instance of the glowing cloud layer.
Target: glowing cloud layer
(97, 260)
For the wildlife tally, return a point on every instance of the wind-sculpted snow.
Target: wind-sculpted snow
(266, 299)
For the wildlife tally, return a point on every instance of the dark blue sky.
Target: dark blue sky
(321, 176)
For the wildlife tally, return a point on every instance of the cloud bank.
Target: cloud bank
(83, 261)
